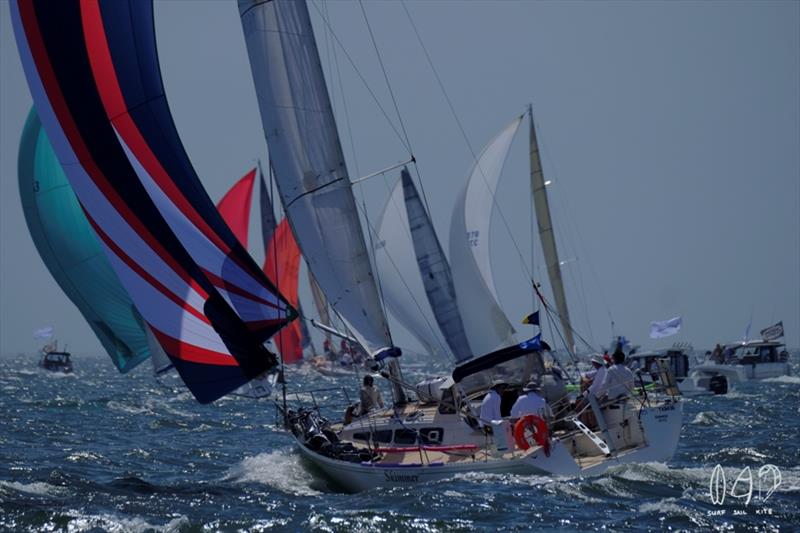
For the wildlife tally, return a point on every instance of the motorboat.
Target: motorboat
(747, 360)
(690, 381)
(55, 360)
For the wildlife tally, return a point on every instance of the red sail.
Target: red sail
(282, 267)
(235, 206)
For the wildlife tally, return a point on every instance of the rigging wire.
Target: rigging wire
(450, 105)
(363, 80)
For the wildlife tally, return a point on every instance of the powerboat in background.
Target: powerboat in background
(690, 382)
(746, 361)
(55, 360)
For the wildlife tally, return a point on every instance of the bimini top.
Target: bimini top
(512, 365)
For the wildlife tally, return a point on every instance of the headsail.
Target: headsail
(282, 266)
(545, 225)
(401, 281)
(309, 165)
(71, 251)
(94, 74)
(235, 206)
(486, 325)
(435, 272)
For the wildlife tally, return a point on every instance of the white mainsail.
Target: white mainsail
(545, 224)
(435, 272)
(309, 165)
(487, 327)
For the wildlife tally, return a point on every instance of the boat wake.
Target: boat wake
(281, 470)
(794, 380)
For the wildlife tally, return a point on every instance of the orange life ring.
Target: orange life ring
(532, 429)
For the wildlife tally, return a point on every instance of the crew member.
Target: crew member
(596, 377)
(490, 406)
(370, 396)
(530, 402)
(619, 378)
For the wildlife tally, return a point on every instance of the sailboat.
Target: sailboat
(94, 75)
(71, 252)
(437, 436)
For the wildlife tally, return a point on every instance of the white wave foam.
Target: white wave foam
(79, 457)
(117, 524)
(794, 380)
(38, 488)
(280, 469)
(667, 506)
(126, 408)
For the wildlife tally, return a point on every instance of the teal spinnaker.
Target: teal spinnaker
(72, 251)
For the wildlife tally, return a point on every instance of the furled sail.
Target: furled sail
(487, 327)
(545, 225)
(309, 165)
(71, 251)
(93, 70)
(235, 206)
(401, 282)
(435, 272)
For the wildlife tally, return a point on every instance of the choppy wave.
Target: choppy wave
(119, 453)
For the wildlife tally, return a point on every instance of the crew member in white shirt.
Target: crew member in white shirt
(598, 377)
(490, 406)
(531, 403)
(619, 378)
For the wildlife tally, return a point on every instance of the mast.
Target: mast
(310, 169)
(544, 222)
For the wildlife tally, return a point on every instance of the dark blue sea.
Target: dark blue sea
(98, 451)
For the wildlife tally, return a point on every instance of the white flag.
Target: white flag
(665, 328)
(43, 333)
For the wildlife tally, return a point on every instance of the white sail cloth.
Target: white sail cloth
(486, 326)
(435, 272)
(309, 165)
(401, 283)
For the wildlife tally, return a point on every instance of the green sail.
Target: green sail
(72, 252)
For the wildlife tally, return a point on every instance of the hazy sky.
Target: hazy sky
(671, 132)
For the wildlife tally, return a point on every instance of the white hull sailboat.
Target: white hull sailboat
(439, 435)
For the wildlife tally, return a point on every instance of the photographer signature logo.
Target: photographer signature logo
(767, 479)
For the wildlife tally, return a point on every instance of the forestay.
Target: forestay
(93, 71)
(486, 326)
(310, 170)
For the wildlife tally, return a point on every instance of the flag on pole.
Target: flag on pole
(532, 344)
(664, 328)
(773, 332)
(532, 319)
(747, 330)
(43, 333)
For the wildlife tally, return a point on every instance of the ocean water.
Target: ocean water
(97, 451)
